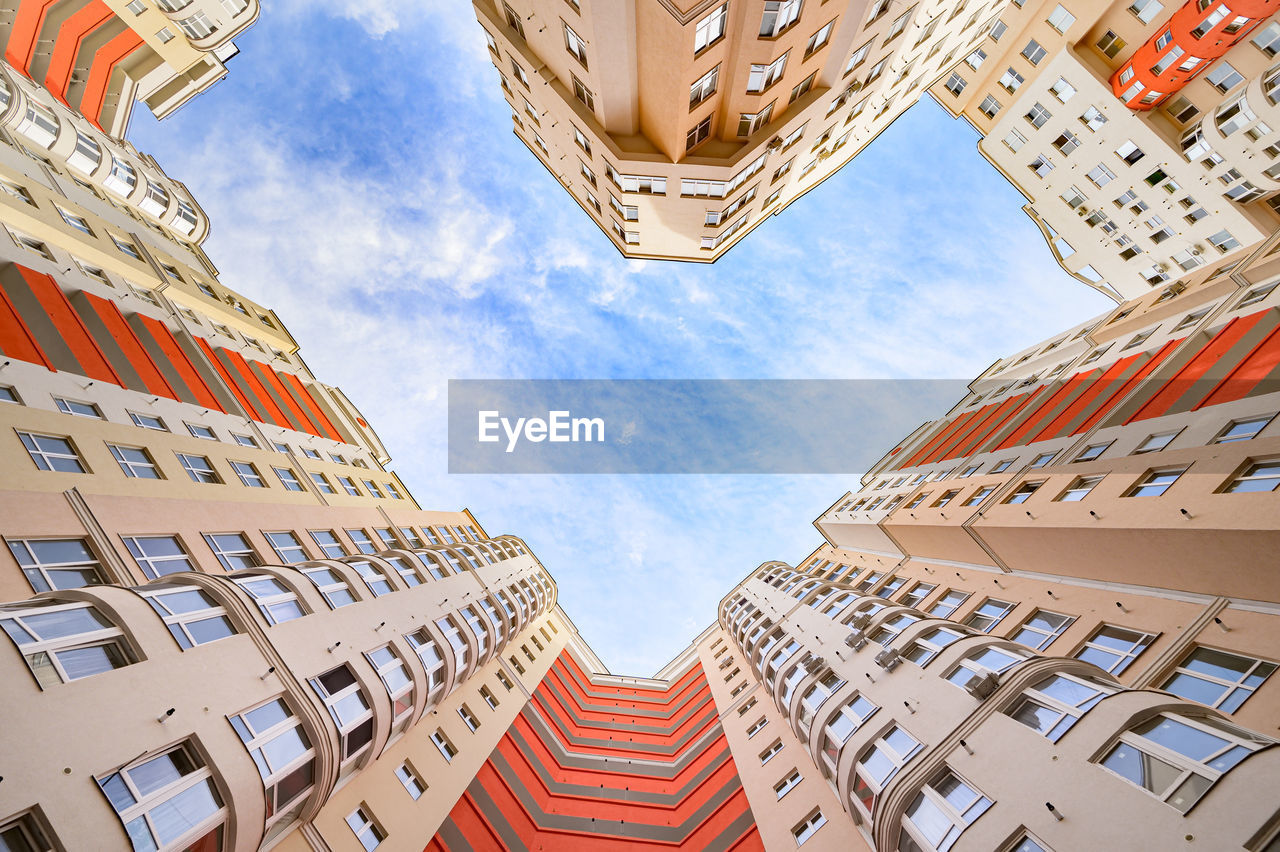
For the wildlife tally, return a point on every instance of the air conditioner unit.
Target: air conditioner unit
(856, 640)
(860, 621)
(982, 686)
(775, 144)
(888, 659)
(815, 663)
(1197, 250)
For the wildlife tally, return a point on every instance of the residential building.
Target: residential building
(97, 57)
(780, 95)
(1132, 185)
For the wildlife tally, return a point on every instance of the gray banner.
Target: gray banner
(685, 426)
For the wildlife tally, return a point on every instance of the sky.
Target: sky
(363, 180)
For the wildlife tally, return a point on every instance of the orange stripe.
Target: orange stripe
(16, 340)
(105, 61)
(168, 344)
(66, 48)
(267, 404)
(1035, 415)
(1134, 380)
(229, 382)
(268, 377)
(93, 363)
(1246, 375)
(1081, 402)
(1181, 382)
(317, 413)
(124, 337)
(27, 24)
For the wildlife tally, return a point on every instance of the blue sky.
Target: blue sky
(360, 170)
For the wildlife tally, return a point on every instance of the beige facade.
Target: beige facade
(1126, 199)
(780, 95)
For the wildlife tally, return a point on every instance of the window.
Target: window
(412, 781)
(1011, 80)
(333, 588)
(1056, 703)
(1033, 52)
(928, 645)
(158, 555)
(955, 84)
(808, 827)
(146, 421)
(940, 812)
(468, 718)
(248, 474)
(1041, 629)
(349, 707)
(787, 784)
(989, 107)
(859, 56)
(879, 763)
(1260, 476)
(52, 453)
(1223, 77)
(778, 15)
(947, 497)
(287, 547)
(288, 479)
(199, 468)
(704, 88)
(1114, 648)
(62, 642)
(1079, 489)
(328, 543)
(1146, 10)
(991, 613)
(982, 663)
(1024, 491)
(711, 28)
(275, 739)
(948, 603)
(373, 489)
(322, 482)
(763, 76)
(1093, 119)
(1092, 452)
(1038, 115)
(1179, 759)
(362, 541)
(1243, 430)
(819, 39)
(203, 432)
(1155, 482)
(583, 94)
(1101, 175)
(444, 744)
(1060, 19)
(802, 88)
(232, 550)
(1014, 141)
(1217, 678)
(368, 832)
(575, 45)
(1066, 142)
(192, 616)
(997, 30)
(167, 802)
(918, 593)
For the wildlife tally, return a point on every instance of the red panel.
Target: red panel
(1256, 366)
(1123, 391)
(1081, 402)
(985, 416)
(317, 413)
(1195, 369)
(229, 381)
(16, 340)
(1026, 401)
(105, 61)
(129, 344)
(940, 430)
(989, 425)
(267, 376)
(254, 386)
(66, 48)
(93, 363)
(190, 375)
(1042, 410)
(27, 23)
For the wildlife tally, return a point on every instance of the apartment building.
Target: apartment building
(780, 95)
(1140, 133)
(97, 57)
